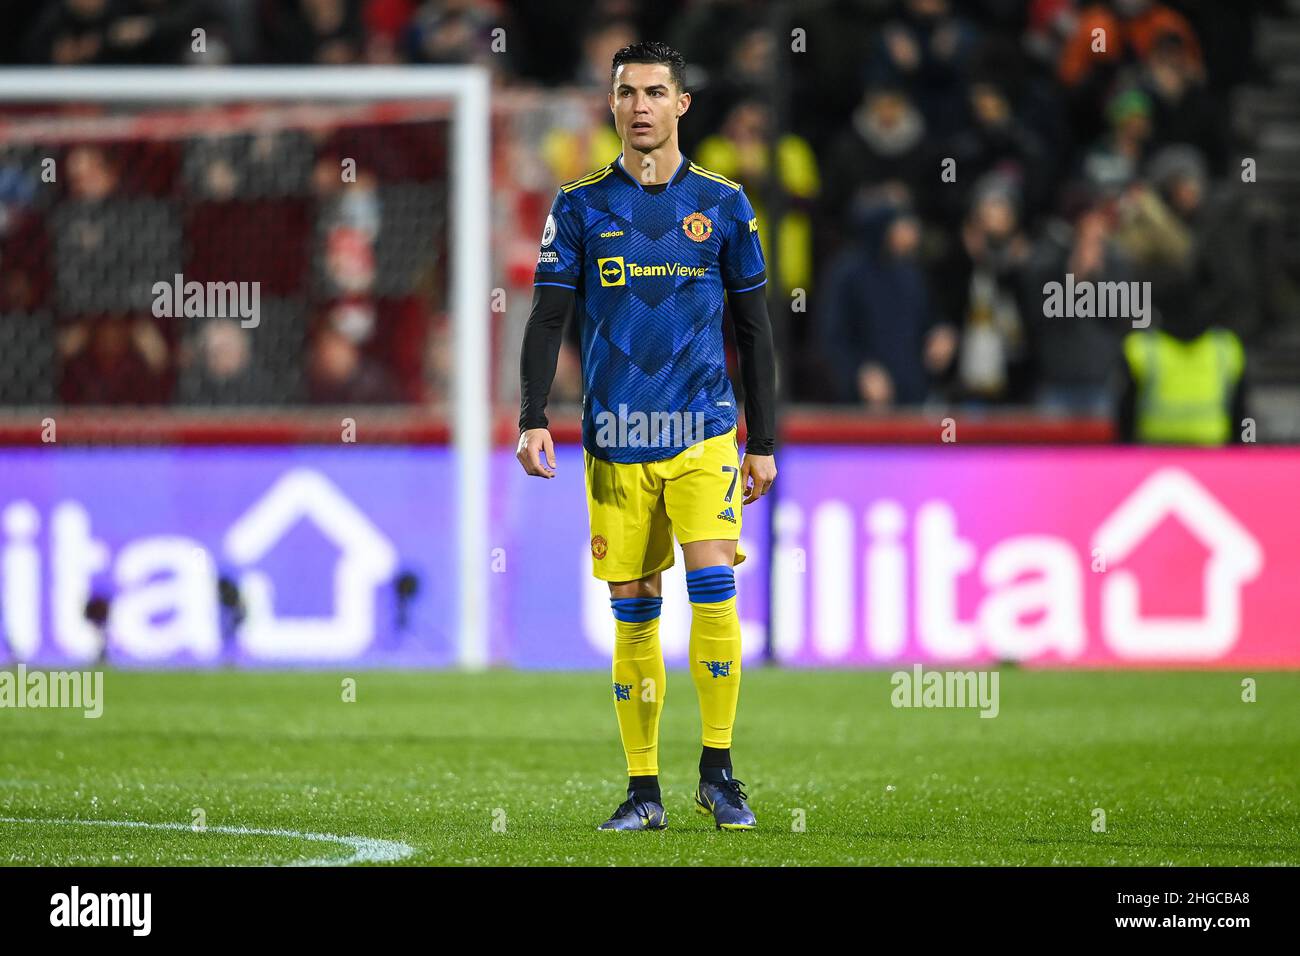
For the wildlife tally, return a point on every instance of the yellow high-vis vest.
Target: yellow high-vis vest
(1184, 389)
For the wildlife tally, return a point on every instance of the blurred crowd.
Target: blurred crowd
(934, 163)
(348, 279)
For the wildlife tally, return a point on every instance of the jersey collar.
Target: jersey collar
(683, 168)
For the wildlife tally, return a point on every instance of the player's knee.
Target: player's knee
(709, 554)
(646, 587)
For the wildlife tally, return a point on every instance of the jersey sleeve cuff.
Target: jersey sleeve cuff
(553, 278)
(747, 283)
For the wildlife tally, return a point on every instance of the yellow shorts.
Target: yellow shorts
(636, 508)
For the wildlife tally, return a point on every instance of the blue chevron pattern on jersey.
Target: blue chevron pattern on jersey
(649, 270)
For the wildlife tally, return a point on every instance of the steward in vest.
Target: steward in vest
(1184, 383)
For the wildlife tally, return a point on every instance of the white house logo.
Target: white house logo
(1234, 559)
(905, 583)
(366, 560)
(164, 585)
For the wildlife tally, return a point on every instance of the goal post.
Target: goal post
(468, 89)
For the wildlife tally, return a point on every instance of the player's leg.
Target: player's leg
(639, 679)
(703, 499)
(631, 543)
(714, 643)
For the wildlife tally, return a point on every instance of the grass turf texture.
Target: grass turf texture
(1187, 773)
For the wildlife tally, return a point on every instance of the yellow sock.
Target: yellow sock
(639, 681)
(715, 651)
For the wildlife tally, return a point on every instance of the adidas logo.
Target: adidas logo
(728, 514)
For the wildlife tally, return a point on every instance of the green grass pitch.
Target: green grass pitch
(506, 768)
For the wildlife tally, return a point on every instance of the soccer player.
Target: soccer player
(643, 249)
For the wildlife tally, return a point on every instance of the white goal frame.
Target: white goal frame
(468, 88)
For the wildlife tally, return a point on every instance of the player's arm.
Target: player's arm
(758, 374)
(555, 285)
(552, 305)
(745, 279)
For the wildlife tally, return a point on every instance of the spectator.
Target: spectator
(1050, 26)
(1223, 248)
(982, 291)
(72, 33)
(750, 57)
(161, 31)
(224, 373)
(114, 361)
(926, 50)
(1182, 110)
(1130, 30)
(1114, 162)
(883, 145)
(1075, 357)
(599, 44)
(351, 217)
(573, 151)
(458, 31)
(24, 243)
(1157, 243)
(740, 152)
(878, 331)
(327, 32)
(109, 246)
(995, 140)
(339, 373)
(701, 32)
(1184, 382)
(385, 22)
(573, 145)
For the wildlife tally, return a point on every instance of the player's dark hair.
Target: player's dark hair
(652, 51)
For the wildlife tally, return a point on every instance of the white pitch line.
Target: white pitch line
(365, 849)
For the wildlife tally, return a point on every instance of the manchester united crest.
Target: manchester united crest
(697, 226)
(598, 547)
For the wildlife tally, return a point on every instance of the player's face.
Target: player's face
(646, 105)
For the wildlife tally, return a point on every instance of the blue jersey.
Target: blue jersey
(649, 269)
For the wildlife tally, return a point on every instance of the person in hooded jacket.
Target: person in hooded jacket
(1183, 382)
(877, 328)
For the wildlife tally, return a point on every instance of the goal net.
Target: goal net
(237, 244)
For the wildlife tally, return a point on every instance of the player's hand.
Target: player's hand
(536, 452)
(757, 472)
